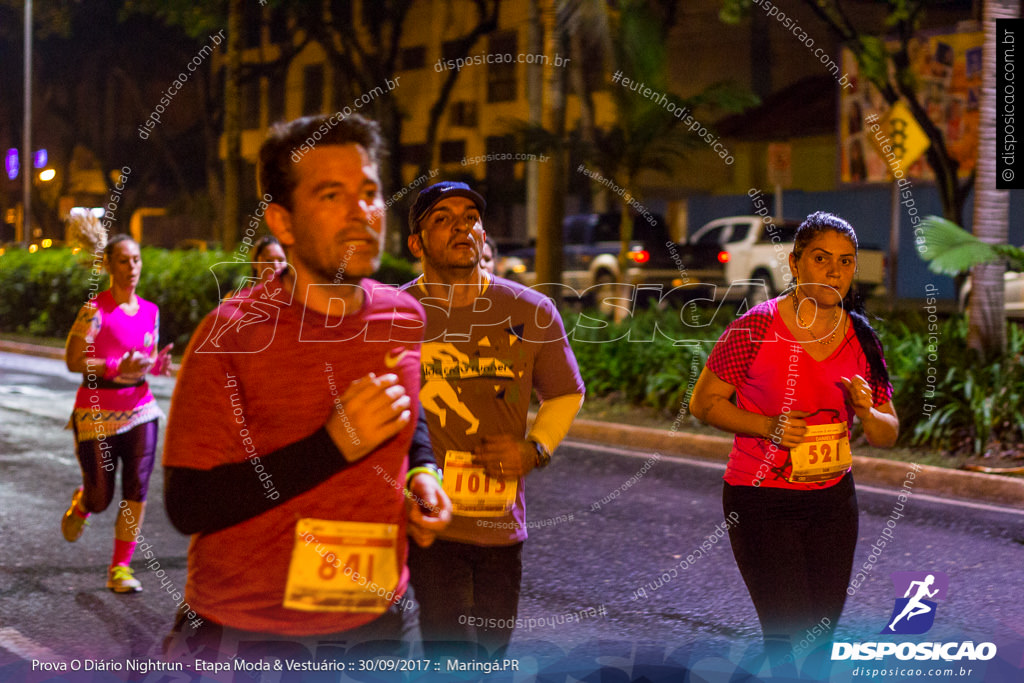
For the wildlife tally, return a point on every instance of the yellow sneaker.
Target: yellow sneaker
(121, 580)
(73, 524)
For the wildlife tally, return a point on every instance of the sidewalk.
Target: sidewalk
(937, 481)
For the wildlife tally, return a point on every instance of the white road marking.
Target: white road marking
(633, 453)
(894, 492)
(14, 642)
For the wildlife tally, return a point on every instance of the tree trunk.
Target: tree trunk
(625, 238)
(987, 322)
(551, 176)
(232, 128)
(535, 99)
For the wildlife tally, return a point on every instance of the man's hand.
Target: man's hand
(505, 457)
(428, 507)
(371, 411)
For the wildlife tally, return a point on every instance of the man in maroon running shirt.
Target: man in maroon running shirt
(289, 436)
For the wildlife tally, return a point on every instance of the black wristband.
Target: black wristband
(543, 455)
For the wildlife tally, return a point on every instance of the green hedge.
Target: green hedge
(952, 402)
(946, 399)
(645, 360)
(945, 396)
(41, 293)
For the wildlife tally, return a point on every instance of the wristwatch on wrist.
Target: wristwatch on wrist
(543, 454)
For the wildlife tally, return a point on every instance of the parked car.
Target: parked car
(748, 256)
(1013, 294)
(591, 257)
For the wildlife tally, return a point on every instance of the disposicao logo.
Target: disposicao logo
(917, 594)
(913, 613)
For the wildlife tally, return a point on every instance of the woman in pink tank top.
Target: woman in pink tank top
(113, 343)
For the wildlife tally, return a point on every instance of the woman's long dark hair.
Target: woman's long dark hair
(261, 244)
(815, 224)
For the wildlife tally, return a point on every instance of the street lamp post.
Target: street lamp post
(26, 133)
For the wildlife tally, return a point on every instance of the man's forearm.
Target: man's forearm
(204, 501)
(554, 417)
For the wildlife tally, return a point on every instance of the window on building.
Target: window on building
(276, 97)
(342, 96)
(501, 77)
(501, 170)
(412, 58)
(252, 24)
(249, 183)
(449, 49)
(462, 114)
(278, 25)
(250, 104)
(415, 154)
(594, 74)
(453, 151)
(313, 89)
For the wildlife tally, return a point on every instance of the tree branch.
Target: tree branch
(487, 22)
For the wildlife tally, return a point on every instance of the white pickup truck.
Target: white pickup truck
(748, 256)
(1013, 295)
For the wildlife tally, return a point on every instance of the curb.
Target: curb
(31, 350)
(49, 352)
(939, 481)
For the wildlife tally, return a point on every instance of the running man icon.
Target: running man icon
(917, 601)
(915, 607)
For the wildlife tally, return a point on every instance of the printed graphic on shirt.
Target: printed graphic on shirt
(445, 368)
(87, 324)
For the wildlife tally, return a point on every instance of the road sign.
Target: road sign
(904, 137)
(780, 170)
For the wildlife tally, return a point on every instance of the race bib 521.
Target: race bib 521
(823, 455)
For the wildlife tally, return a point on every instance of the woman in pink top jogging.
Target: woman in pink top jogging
(113, 343)
(802, 367)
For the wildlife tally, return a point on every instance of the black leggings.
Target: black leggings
(134, 448)
(795, 552)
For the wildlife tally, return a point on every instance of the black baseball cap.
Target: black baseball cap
(430, 196)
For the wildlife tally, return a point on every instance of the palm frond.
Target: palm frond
(1013, 255)
(949, 249)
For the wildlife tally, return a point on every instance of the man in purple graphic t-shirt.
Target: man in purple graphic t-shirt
(489, 344)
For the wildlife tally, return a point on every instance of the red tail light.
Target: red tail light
(723, 257)
(642, 256)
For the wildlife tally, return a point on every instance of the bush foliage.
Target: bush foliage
(41, 293)
(945, 398)
(653, 359)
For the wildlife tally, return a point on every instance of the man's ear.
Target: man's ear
(279, 220)
(415, 245)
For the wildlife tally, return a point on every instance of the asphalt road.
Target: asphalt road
(593, 592)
